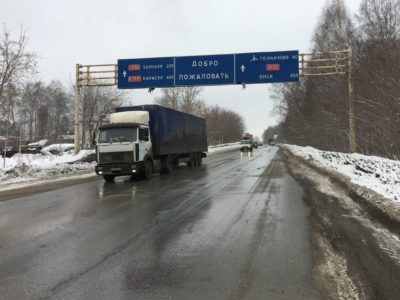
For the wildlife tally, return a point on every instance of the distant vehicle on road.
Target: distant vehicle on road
(247, 143)
(271, 142)
(255, 144)
(149, 138)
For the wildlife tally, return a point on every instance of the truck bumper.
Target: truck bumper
(246, 148)
(119, 169)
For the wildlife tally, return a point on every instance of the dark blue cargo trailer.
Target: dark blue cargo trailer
(149, 138)
(172, 131)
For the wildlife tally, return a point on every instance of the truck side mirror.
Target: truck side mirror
(94, 139)
(144, 134)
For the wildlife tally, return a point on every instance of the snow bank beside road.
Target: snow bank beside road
(378, 174)
(223, 147)
(29, 167)
(57, 148)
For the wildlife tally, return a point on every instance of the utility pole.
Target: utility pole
(7, 133)
(352, 119)
(5, 146)
(77, 110)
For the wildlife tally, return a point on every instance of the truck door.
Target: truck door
(144, 142)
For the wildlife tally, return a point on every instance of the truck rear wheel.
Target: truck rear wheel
(198, 161)
(166, 165)
(109, 178)
(193, 162)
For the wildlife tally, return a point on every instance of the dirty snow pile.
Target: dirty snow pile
(379, 174)
(57, 148)
(223, 147)
(28, 167)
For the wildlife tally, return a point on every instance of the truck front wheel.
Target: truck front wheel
(109, 178)
(148, 169)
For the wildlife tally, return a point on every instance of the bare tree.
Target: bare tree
(59, 107)
(186, 99)
(30, 100)
(46, 110)
(170, 97)
(380, 20)
(16, 66)
(96, 104)
(223, 125)
(377, 77)
(335, 29)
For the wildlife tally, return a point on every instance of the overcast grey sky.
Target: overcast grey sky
(66, 32)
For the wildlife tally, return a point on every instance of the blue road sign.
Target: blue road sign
(205, 70)
(146, 73)
(267, 67)
(243, 68)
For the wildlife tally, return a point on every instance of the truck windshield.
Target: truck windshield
(246, 142)
(115, 135)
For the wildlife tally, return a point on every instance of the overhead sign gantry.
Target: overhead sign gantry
(224, 69)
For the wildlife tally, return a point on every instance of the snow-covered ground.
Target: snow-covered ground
(23, 168)
(376, 173)
(32, 167)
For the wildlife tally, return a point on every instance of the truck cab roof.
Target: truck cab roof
(121, 125)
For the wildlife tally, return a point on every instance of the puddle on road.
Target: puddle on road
(244, 155)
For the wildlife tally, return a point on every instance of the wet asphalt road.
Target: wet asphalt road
(235, 228)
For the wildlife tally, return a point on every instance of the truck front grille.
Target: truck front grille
(116, 157)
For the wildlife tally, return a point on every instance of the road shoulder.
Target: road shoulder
(14, 190)
(355, 249)
(382, 209)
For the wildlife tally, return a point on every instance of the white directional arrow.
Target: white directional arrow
(242, 68)
(124, 73)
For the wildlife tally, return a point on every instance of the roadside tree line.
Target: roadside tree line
(315, 110)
